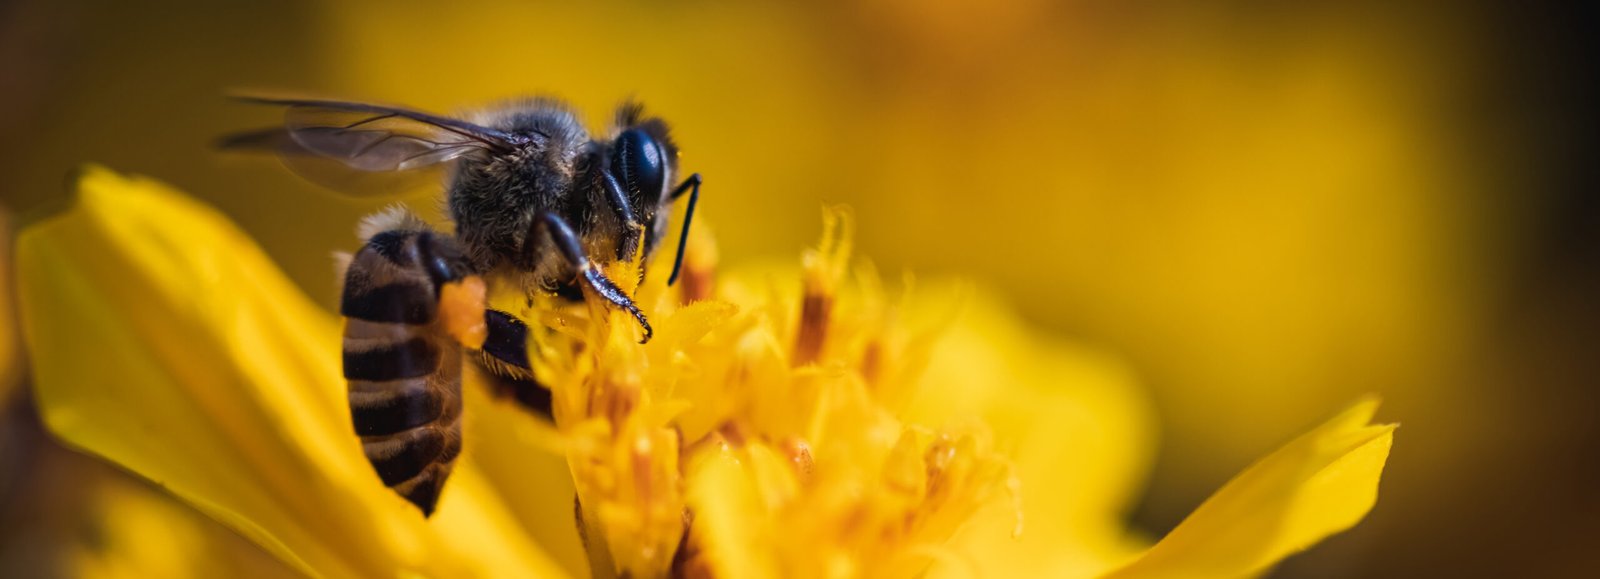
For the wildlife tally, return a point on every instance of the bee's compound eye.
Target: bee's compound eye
(638, 161)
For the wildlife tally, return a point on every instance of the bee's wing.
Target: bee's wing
(341, 144)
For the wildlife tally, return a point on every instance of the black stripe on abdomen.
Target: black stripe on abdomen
(424, 493)
(399, 301)
(394, 246)
(403, 456)
(409, 359)
(423, 490)
(391, 407)
(404, 371)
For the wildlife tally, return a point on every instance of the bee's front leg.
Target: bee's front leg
(411, 303)
(565, 241)
(632, 230)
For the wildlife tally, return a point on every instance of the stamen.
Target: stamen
(797, 445)
(823, 272)
(799, 453)
(697, 280)
(815, 310)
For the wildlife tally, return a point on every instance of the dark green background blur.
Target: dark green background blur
(1268, 209)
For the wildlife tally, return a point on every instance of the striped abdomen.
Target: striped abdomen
(402, 357)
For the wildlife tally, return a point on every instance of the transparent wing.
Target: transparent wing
(333, 142)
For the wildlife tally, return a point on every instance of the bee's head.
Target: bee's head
(643, 159)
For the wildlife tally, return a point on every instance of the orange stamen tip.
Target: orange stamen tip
(798, 452)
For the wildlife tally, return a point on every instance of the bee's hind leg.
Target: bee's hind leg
(566, 242)
(504, 361)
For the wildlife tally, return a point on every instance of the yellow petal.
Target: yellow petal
(1077, 427)
(124, 513)
(522, 458)
(1321, 483)
(733, 522)
(71, 515)
(164, 340)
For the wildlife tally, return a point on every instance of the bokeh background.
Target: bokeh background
(1267, 208)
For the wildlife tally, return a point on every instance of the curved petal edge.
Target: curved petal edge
(1322, 483)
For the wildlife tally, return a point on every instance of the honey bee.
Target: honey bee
(535, 201)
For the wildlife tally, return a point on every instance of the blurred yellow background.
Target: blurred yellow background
(1268, 210)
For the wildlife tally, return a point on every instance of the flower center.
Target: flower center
(760, 430)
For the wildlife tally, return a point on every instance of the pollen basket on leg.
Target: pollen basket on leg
(761, 430)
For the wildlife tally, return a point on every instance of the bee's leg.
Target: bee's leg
(504, 359)
(411, 303)
(692, 185)
(566, 242)
(631, 229)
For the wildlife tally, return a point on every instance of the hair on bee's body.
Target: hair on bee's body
(535, 200)
(494, 201)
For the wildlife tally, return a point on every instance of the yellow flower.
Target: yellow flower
(774, 427)
(69, 515)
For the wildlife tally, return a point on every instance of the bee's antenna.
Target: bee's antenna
(692, 184)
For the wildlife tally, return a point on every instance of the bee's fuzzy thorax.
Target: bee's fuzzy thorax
(494, 200)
